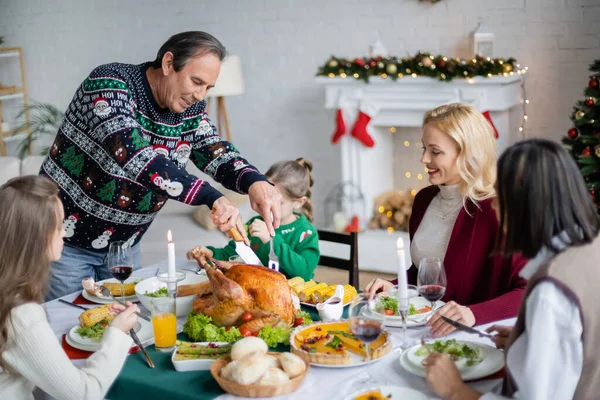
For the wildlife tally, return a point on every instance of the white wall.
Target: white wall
(282, 42)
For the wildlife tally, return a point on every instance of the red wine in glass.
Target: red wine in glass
(432, 292)
(121, 272)
(366, 331)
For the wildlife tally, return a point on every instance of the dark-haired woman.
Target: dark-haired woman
(547, 214)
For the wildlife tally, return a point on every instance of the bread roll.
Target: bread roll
(227, 370)
(273, 361)
(250, 369)
(273, 376)
(292, 364)
(248, 345)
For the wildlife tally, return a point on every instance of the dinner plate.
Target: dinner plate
(391, 392)
(395, 321)
(106, 300)
(143, 329)
(493, 362)
(356, 360)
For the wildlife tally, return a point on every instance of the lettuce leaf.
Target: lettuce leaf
(274, 336)
(199, 328)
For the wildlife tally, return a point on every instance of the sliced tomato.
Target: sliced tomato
(247, 316)
(389, 312)
(246, 332)
(254, 333)
(298, 321)
(424, 310)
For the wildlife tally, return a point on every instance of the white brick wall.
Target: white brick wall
(281, 43)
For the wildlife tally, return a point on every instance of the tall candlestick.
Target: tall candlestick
(403, 302)
(171, 256)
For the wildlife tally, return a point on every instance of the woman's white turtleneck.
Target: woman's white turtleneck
(433, 234)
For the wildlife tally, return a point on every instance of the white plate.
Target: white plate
(492, 363)
(394, 393)
(105, 300)
(414, 320)
(315, 306)
(195, 365)
(144, 332)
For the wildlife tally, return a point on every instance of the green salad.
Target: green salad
(199, 328)
(389, 306)
(454, 349)
(95, 331)
(162, 292)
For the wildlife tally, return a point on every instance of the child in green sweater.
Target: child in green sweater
(296, 242)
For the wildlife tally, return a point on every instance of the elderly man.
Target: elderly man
(122, 149)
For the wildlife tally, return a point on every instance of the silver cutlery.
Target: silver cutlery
(273, 259)
(106, 293)
(465, 328)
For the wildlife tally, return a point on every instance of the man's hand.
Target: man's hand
(451, 310)
(501, 338)
(259, 229)
(266, 200)
(226, 216)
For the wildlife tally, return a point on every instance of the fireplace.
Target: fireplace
(393, 162)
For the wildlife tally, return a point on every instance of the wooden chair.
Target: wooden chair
(350, 264)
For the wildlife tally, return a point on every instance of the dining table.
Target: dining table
(137, 380)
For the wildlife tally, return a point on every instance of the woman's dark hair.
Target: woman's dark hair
(186, 45)
(541, 194)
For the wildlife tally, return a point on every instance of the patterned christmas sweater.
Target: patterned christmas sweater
(295, 244)
(118, 157)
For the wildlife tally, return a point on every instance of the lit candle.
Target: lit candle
(402, 278)
(171, 256)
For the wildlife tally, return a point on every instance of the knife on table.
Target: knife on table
(465, 328)
(242, 249)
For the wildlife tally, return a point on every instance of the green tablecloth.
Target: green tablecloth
(138, 381)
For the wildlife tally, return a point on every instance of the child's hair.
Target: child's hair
(29, 216)
(296, 179)
(476, 145)
(542, 194)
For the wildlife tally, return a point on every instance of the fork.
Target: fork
(273, 259)
(106, 293)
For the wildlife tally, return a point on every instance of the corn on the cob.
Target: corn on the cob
(115, 288)
(95, 315)
(306, 294)
(349, 293)
(295, 281)
(302, 286)
(318, 295)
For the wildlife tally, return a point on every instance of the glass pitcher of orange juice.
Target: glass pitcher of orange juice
(164, 323)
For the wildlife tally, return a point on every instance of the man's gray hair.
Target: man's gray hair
(186, 45)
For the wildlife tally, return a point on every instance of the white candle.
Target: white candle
(171, 256)
(402, 278)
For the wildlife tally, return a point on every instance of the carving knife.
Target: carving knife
(242, 249)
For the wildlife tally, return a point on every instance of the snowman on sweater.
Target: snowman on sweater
(173, 188)
(69, 225)
(102, 241)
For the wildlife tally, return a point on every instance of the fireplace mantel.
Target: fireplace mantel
(402, 103)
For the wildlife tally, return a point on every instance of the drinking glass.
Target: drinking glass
(366, 324)
(164, 322)
(431, 281)
(120, 263)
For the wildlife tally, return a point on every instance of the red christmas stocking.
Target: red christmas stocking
(487, 116)
(340, 126)
(367, 111)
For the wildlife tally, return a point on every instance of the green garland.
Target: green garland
(422, 64)
(583, 139)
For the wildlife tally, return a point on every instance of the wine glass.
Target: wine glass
(120, 263)
(431, 280)
(366, 324)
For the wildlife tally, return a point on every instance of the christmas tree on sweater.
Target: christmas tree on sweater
(583, 139)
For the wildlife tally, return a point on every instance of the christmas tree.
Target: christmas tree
(583, 139)
(138, 141)
(145, 203)
(72, 161)
(108, 191)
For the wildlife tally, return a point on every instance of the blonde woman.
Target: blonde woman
(454, 221)
(31, 217)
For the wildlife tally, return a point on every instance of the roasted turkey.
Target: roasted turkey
(233, 289)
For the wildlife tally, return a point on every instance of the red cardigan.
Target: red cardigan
(489, 285)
